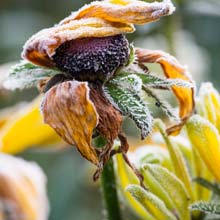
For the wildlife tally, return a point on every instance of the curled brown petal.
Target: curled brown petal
(134, 12)
(69, 111)
(41, 47)
(172, 69)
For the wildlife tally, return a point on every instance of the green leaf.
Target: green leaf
(215, 188)
(131, 105)
(151, 203)
(212, 208)
(173, 189)
(163, 105)
(26, 75)
(130, 82)
(158, 82)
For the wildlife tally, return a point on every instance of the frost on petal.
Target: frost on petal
(173, 70)
(41, 47)
(134, 12)
(22, 190)
(69, 111)
(97, 19)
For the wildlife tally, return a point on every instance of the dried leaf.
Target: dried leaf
(172, 69)
(69, 111)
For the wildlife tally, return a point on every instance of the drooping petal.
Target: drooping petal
(69, 111)
(22, 190)
(41, 47)
(98, 19)
(174, 70)
(25, 128)
(134, 11)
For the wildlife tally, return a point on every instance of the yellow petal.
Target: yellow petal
(206, 141)
(22, 189)
(176, 156)
(69, 111)
(172, 69)
(126, 176)
(25, 129)
(151, 203)
(134, 12)
(209, 100)
(172, 188)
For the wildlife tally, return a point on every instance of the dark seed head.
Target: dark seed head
(91, 59)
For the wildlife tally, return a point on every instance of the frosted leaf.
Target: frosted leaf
(130, 82)
(131, 105)
(26, 75)
(212, 208)
(154, 81)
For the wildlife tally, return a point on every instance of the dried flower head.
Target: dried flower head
(92, 77)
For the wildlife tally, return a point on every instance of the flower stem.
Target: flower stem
(109, 192)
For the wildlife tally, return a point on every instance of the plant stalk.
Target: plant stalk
(109, 192)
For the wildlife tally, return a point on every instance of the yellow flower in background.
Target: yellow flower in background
(22, 127)
(169, 171)
(22, 190)
(203, 131)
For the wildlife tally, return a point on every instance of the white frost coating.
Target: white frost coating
(29, 178)
(131, 82)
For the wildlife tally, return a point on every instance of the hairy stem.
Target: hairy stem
(109, 192)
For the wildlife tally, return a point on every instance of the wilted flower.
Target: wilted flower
(22, 190)
(92, 77)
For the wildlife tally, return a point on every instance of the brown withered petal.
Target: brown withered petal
(110, 119)
(98, 19)
(41, 47)
(68, 110)
(172, 69)
(134, 11)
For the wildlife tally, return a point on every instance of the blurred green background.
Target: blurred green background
(192, 34)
